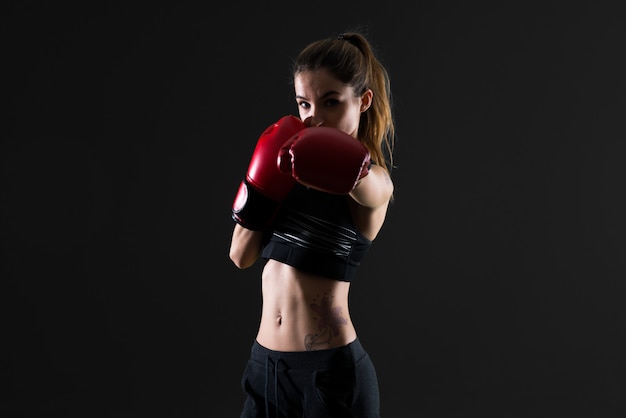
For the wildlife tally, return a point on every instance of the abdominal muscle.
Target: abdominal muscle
(303, 312)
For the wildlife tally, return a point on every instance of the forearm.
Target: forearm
(245, 246)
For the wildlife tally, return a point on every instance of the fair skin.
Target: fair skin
(302, 311)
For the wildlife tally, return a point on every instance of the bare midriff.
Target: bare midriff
(303, 312)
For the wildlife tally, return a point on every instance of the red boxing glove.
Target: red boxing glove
(325, 159)
(264, 187)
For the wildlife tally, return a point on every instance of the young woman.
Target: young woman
(314, 198)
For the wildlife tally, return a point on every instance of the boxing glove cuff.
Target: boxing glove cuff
(252, 209)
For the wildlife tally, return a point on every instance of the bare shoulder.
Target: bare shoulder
(375, 189)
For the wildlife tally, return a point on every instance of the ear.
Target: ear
(366, 100)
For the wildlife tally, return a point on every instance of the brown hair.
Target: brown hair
(351, 59)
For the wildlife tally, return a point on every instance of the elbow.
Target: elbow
(239, 263)
(241, 260)
(236, 258)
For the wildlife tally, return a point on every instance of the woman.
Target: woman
(313, 223)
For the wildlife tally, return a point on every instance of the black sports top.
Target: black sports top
(314, 232)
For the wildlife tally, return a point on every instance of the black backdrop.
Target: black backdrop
(495, 289)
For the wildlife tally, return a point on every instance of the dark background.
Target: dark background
(495, 289)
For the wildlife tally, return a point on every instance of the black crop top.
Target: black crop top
(314, 232)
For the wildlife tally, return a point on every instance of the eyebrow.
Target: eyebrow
(330, 93)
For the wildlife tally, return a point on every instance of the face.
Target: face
(325, 101)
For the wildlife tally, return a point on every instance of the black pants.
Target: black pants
(338, 382)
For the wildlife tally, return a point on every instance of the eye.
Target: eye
(331, 102)
(304, 105)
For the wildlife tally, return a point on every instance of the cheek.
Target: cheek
(303, 113)
(352, 117)
(349, 125)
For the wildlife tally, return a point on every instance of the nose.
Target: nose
(313, 121)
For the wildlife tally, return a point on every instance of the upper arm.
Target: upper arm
(372, 196)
